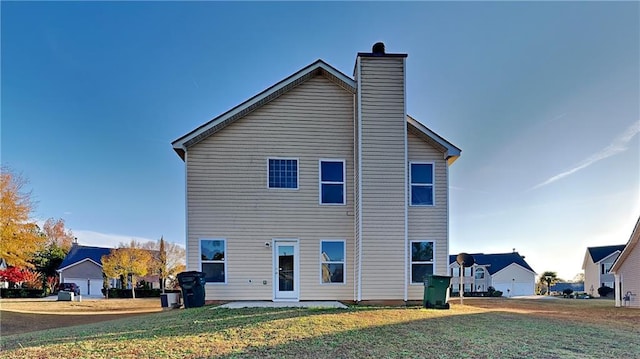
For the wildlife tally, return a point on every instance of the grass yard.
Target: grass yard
(482, 328)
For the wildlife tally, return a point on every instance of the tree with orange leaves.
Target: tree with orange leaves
(20, 236)
(128, 260)
(57, 234)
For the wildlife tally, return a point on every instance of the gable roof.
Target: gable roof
(599, 253)
(496, 262)
(629, 247)
(319, 67)
(451, 152)
(79, 254)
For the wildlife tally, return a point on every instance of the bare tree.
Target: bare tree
(169, 261)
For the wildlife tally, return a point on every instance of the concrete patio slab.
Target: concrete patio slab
(268, 304)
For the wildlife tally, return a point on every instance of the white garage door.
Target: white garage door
(515, 289)
(91, 287)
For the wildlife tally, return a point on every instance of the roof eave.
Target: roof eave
(451, 152)
(78, 262)
(513, 263)
(633, 241)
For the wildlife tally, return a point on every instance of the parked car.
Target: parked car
(69, 287)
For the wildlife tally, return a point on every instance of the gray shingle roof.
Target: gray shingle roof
(599, 253)
(80, 253)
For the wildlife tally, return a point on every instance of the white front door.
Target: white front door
(286, 274)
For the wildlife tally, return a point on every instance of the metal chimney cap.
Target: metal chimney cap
(378, 48)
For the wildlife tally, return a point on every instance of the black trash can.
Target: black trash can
(192, 285)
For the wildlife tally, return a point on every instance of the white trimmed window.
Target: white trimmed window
(332, 254)
(421, 175)
(332, 182)
(479, 273)
(421, 260)
(282, 173)
(213, 260)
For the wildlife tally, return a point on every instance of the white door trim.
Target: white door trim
(289, 296)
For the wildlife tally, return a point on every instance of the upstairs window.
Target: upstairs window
(605, 267)
(283, 173)
(479, 273)
(421, 260)
(421, 175)
(332, 188)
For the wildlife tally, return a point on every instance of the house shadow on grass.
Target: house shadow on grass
(480, 335)
(169, 324)
(369, 332)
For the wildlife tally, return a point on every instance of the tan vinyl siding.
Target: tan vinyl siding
(383, 137)
(591, 276)
(228, 197)
(430, 222)
(630, 274)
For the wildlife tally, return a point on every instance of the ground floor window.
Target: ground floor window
(213, 260)
(421, 260)
(332, 254)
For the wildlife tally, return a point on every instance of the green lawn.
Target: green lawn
(492, 330)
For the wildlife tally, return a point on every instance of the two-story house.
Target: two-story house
(506, 272)
(321, 187)
(596, 265)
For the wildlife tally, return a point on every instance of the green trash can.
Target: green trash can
(436, 290)
(192, 285)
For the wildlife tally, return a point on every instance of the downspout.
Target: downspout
(406, 184)
(359, 105)
(186, 209)
(355, 198)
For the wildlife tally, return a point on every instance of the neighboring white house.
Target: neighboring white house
(506, 272)
(626, 270)
(3, 266)
(596, 265)
(321, 187)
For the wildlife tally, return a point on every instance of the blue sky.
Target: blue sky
(542, 97)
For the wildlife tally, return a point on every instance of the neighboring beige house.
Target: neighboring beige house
(321, 187)
(626, 270)
(506, 272)
(596, 265)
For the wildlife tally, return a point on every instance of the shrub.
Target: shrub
(31, 279)
(22, 293)
(567, 292)
(497, 293)
(604, 291)
(140, 293)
